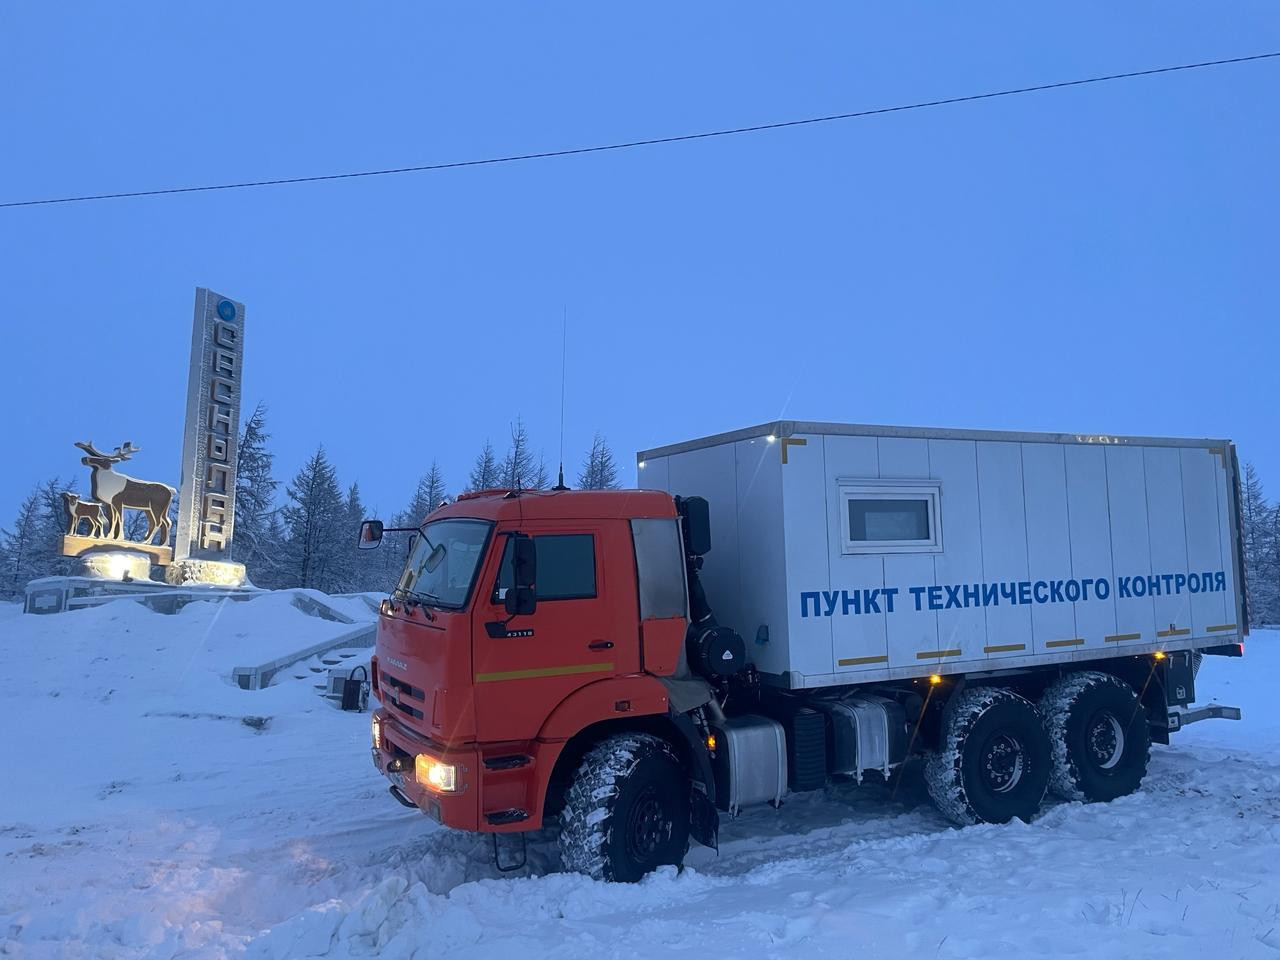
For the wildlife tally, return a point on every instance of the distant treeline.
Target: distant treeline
(303, 535)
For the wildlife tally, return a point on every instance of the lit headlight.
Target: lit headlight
(377, 734)
(434, 775)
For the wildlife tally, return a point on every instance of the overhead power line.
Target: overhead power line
(654, 141)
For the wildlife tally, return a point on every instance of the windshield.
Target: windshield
(443, 561)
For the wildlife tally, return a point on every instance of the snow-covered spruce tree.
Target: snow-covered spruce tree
(485, 474)
(1269, 572)
(428, 494)
(21, 547)
(599, 472)
(257, 534)
(519, 469)
(1261, 521)
(315, 527)
(354, 573)
(32, 547)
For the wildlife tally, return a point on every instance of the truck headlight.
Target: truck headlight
(435, 775)
(377, 734)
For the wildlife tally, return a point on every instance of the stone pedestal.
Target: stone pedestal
(75, 546)
(123, 565)
(219, 573)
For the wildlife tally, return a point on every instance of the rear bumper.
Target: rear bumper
(1179, 717)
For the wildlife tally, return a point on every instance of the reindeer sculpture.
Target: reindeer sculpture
(118, 492)
(78, 510)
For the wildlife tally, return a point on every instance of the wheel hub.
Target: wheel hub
(1104, 738)
(647, 826)
(1003, 762)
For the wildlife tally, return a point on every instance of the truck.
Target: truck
(795, 603)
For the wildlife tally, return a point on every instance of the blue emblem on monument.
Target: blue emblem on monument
(227, 310)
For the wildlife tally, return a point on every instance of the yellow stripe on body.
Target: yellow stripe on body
(1072, 642)
(1005, 648)
(562, 671)
(859, 661)
(1119, 637)
(930, 654)
(1221, 628)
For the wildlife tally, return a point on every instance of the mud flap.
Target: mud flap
(704, 820)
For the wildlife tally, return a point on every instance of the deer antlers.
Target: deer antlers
(121, 453)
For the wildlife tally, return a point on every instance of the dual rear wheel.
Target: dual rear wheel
(1087, 739)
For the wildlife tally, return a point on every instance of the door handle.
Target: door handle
(600, 645)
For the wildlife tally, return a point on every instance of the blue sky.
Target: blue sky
(1100, 259)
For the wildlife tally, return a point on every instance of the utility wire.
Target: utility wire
(655, 141)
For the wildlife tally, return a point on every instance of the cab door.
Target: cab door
(584, 629)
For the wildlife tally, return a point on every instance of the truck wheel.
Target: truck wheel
(993, 763)
(1100, 738)
(627, 811)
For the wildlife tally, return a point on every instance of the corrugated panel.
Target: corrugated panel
(1090, 541)
(1004, 543)
(1130, 544)
(1168, 534)
(857, 639)
(955, 464)
(1044, 487)
(908, 630)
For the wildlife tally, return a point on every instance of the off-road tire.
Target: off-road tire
(627, 811)
(1100, 737)
(993, 760)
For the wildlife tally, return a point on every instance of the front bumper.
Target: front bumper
(395, 757)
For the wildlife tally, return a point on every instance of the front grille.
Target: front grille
(390, 701)
(400, 686)
(394, 692)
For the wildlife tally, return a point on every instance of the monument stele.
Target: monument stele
(207, 496)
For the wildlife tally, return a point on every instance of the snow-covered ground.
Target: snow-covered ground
(140, 817)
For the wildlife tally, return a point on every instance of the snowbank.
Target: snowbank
(143, 818)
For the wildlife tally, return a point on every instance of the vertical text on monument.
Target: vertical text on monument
(206, 517)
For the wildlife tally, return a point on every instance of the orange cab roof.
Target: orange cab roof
(560, 505)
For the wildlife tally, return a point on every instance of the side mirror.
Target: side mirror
(370, 534)
(696, 515)
(521, 598)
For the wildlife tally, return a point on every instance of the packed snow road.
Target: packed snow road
(140, 816)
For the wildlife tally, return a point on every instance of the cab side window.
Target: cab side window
(566, 567)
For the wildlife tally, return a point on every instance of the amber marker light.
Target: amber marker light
(1159, 655)
(934, 679)
(711, 741)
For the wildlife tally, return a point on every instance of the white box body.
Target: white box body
(1017, 524)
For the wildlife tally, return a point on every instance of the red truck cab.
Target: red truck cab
(486, 714)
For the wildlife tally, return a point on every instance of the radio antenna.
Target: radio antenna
(564, 341)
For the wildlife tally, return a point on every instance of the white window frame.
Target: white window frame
(927, 490)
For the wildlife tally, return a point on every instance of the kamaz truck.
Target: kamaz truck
(799, 602)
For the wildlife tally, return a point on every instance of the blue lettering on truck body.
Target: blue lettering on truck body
(878, 601)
